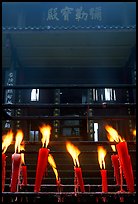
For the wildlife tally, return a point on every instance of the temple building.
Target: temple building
(70, 66)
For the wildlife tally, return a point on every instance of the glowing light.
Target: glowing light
(45, 130)
(111, 140)
(113, 133)
(22, 154)
(134, 132)
(53, 165)
(18, 140)
(6, 140)
(101, 156)
(74, 152)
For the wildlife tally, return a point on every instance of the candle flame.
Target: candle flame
(22, 154)
(113, 133)
(18, 140)
(74, 152)
(111, 140)
(6, 140)
(53, 165)
(101, 156)
(134, 132)
(45, 130)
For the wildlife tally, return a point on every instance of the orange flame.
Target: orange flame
(113, 133)
(111, 140)
(53, 164)
(45, 130)
(134, 132)
(101, 156)
(6, 140)
(74, 152)
(19, 138)
(22, 154)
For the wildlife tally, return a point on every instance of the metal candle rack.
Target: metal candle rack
(60, 195)
(69, 197)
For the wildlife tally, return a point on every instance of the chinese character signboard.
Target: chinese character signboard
(68, 14)
(85, 14)
(10, 78)
(76, 15)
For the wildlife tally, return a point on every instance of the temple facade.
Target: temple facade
(71, 65)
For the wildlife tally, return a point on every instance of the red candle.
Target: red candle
(24, 175)
(124, 158)
(41, 167)
(16, 161)
(126, 165)
(74, 152)
(130, 176)
(101, 156)
(122, 149)
(104, 180)
(79, 177)
(3, 170)
(115, 163)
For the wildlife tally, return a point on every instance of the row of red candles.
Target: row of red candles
(120, 161)
(18, 169)
(122, 165)
(123, 157)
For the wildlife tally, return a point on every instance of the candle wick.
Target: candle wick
(76, 163)
(4, 149)
(102, 165)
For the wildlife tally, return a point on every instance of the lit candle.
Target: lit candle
(54, 167)
(74, 152)
(41, 167)
(101, 156)
(42, 157)
(16, 162)
(23, 167)
(78, 172)
(124, 157)
(3, 170)
(24, 174)
(6, 141)
(104, 180)
(115, 163)
(126, 165)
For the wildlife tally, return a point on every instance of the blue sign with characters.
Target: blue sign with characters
(68, 14)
